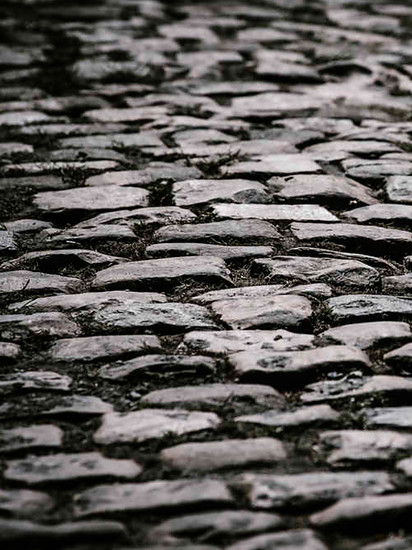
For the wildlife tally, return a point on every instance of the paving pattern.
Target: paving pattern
(205, 280)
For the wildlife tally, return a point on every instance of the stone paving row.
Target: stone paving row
(205, 274)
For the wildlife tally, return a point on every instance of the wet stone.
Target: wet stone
(368, 335)
(18, 327)
(368, 307)
(247, 231)
(97, 348)
(197, 192)
(230, 453)
(91, 199)
(232, 341)
(32, 282)
(299, 539)
(157, 366)
(24, 503)
(163, 272)
(69, 467)
(210, 526)
(9, 352)
(322, 189)
(212, 395)
(348, 447)
(305, 416)
(152, 424)
(343, 273)
(274, 212)
(399, 188)
(32, 437)
(400, 358)
(266, 491)
(152, 495)
(199, 249)
(295, 367)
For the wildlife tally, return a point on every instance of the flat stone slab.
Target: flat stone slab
(345, 273)
(231, 341)
(211, 525)
(199, 192)
(368, 307)
(350, 235)
(161, 215)
(280, 311)
(40, 380)
(388, 417)
(400, 358)
(27, 226)
(44, 325)
(69, 467)
(394, 214)
(214, 395)
(163, 272)
(399, 188)
(53, 259)
(158, 365)
(91, 199)
(274, 212)
(273, 165)
(9, 352)
(222, 454)
(108, 141)
(148, 424)
(349, 447)
(392, 543)
(395, 284)
(298, 539)
(31, 282)
(24, 503)
(275, 104)
(385, 511)
(305, 416)
(266, 491)
(99, 233)
(199, 249)
(293, 367)
(152, 495)
(368, 335)
(32, 437)
(247, 231)
(321, 189)
(146, 176)
(7, 243)
(96, 348)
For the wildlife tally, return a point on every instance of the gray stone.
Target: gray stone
(280, 311)
(152, 424)
(295, 367)
(395, 214)
(69, 467)
(146, 176)
(152, 495)
(232, 341)
(339, 149)
(32, 282)
(275, 212)
(158, 365)
(274, 165)
(163, 272)
(124, 115)
(297, 539)
(9, 352)
(91, 199)
(199, 249)
(400, 358)
(251, 148)
(343, 273)
(247, 231)
(397, 283)
(370, 237)
(99, 233)
(399, 188)
(32, 437)
(56, 259)
(317, 414)
(316, 290)
(199, 192)
(214, 395)
(379, 170)
(7, 243)
(369, 513)
(368, 335)
(275, 104)
(389, 417)
(323, 189)
(41, 380)
(96, 348)
(209, 526)
(214, 455)
(44, 168)
(24, 503)
(368, 307)
(349, 447)
(22, 118)
(394, 542)
(143, 139)
(265, 491)
(25, 226)
(43, 325)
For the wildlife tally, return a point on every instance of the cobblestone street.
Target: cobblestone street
(205, 275)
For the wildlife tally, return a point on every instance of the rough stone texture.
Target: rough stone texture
(196, 192)
(32, 282)
(299, 539)
(368, 307)
(368, 335)
(317, 414)
(275, 212)
(401, 358)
